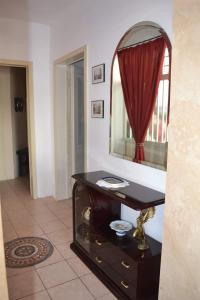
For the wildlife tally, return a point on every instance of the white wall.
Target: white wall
(30, 42)
(100, 25)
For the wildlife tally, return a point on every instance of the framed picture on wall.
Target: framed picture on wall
(97, 109)
(98, 73)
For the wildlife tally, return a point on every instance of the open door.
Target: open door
(70, 121)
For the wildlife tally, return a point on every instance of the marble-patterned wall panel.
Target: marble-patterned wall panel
(180, 267)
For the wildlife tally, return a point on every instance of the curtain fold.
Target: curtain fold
(140, 70)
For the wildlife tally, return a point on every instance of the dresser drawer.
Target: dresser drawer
(128, 287)
(123, 272)
(108, 251)
(126, 268)
(98, 241)
(99, 261)
(114, 255)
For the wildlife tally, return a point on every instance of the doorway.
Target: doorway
(75, 87)
(17, 157)
(70, 120)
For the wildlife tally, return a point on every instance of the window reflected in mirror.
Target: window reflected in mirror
(140, 96)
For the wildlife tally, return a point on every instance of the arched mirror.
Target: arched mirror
(140, 90)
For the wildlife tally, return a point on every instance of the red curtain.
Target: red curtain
(140, 70)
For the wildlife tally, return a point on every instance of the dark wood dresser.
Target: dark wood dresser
(128, 272)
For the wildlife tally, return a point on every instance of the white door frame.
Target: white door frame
(30, 118)
(62, 160)
(70, 116)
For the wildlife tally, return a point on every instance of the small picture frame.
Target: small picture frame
(97, 109)
(98, 73)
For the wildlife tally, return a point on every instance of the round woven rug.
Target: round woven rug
(27, 251)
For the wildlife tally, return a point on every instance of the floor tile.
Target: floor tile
(17, 271)
(65, 250)
(68, 202)
(57, 206)
(44, 217)
(68, 221)
(38, 209)
(11, 207)
(74, 289)
(34, 205)
(47, 200)
(54, 258)
(29, 230)
(107, 297)
(17, 210)
(38, 296)
(4, 215)
(60, 236)
(96, 287)
(21, 221)
(64, 213)
(7, 237)
(78, 266)
(8, 227)
(9, 232)
(55, 274)
(23, 285)
(53, 226)
(20, 218)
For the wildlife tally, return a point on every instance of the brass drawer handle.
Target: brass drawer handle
(125, 264)
(99, 260)
(98, 243)
(124, 284)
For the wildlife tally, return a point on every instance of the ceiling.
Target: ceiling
(39, 11)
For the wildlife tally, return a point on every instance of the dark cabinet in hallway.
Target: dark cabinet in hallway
(128, 272)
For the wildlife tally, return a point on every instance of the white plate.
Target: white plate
(110, 185)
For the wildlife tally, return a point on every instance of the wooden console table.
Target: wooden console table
(130, 273)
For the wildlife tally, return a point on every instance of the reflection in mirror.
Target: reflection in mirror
(140, 84)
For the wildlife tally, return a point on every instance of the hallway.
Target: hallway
(62, 276)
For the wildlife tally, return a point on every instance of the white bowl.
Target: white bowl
(121, 227)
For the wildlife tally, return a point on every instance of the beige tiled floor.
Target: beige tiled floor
(62, 276)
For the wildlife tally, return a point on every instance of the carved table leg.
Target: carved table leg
(139, 232)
